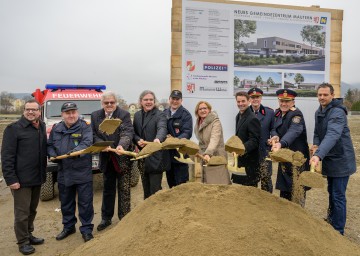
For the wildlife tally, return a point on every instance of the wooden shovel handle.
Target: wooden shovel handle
(124, 152)
(76, 153)
(312, 167)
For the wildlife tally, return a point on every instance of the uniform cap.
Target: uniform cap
(176, 94)
(255, 92)
(286, 94)
(68, 106)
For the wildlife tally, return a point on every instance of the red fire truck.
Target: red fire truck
(87, 99)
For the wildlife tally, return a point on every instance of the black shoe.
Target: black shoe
(35, 240)
(103, 224)
(87, 237)
(65, 233)
(26, 249)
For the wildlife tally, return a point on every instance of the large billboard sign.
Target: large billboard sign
(227, 48)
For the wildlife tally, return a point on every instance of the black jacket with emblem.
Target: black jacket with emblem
(62, 139)
(23, 153)
(122, 136)
(291, 130)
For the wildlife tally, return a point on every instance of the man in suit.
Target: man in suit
(266, 118)
(150, 125)
(248, 129)
(289, 132)
(116, 168)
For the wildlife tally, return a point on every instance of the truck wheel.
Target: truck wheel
(135, 174)
(47, 189)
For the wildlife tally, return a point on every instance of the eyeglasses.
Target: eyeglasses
(31, 109)
(109, 102)
(204, 108)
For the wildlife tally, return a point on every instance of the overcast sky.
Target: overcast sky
(123, 44)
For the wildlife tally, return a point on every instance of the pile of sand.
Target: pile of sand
(198, 219)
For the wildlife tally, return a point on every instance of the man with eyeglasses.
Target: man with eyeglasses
(23, 156)
(289, 131)
(116, 168)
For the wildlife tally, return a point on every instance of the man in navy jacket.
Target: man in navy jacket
(333, 146)
(74, 174)
(179, 125)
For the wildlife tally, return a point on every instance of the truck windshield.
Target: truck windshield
(85, 107)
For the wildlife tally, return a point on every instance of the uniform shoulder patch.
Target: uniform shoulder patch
(293, 109)
(296, 119)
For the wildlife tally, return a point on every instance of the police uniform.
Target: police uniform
(74, 174)
(291, 129)
(266, 117)
(179, 125)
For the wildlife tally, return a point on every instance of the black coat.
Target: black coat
(149, 126)
(248, 129)
(23, 153)
(122, 136)
(291, 130)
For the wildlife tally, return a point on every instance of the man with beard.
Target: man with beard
(23, 161)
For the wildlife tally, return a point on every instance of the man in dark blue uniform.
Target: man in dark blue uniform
(74, 174)
(289, 132)
(266, 118)
(179, 125)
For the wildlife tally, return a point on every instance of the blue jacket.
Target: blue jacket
(62, 139)
(266, 118)
(332, 135)
(179, 125)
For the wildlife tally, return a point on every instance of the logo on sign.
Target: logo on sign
(190, 65)
(215, 67)
(190, 87)
(323, 20)
(316, 19)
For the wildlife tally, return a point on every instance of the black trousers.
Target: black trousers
(151, 181)
(26, 201)
(67, 196)
(178, 174)
(115, 181)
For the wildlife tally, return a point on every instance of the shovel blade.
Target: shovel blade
(312, 179)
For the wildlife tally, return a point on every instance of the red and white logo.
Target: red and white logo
(316, 19)
(190, 65)
(190, 87)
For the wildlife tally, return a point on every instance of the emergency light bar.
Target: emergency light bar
(71, 86)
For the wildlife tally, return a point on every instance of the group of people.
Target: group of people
(25, 150)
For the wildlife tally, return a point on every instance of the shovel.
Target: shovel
(214, 160)
(182, 159)
(94, 148)
(172, 143)
(311, 178)
(150, 148)
(109, 126)
(234, 168)
(124, 152)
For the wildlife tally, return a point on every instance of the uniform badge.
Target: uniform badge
(296, 119)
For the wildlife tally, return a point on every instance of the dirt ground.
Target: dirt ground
(48, 220)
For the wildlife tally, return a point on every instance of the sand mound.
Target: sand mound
(198, 219)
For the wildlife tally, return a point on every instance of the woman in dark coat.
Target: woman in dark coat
(150, 125)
